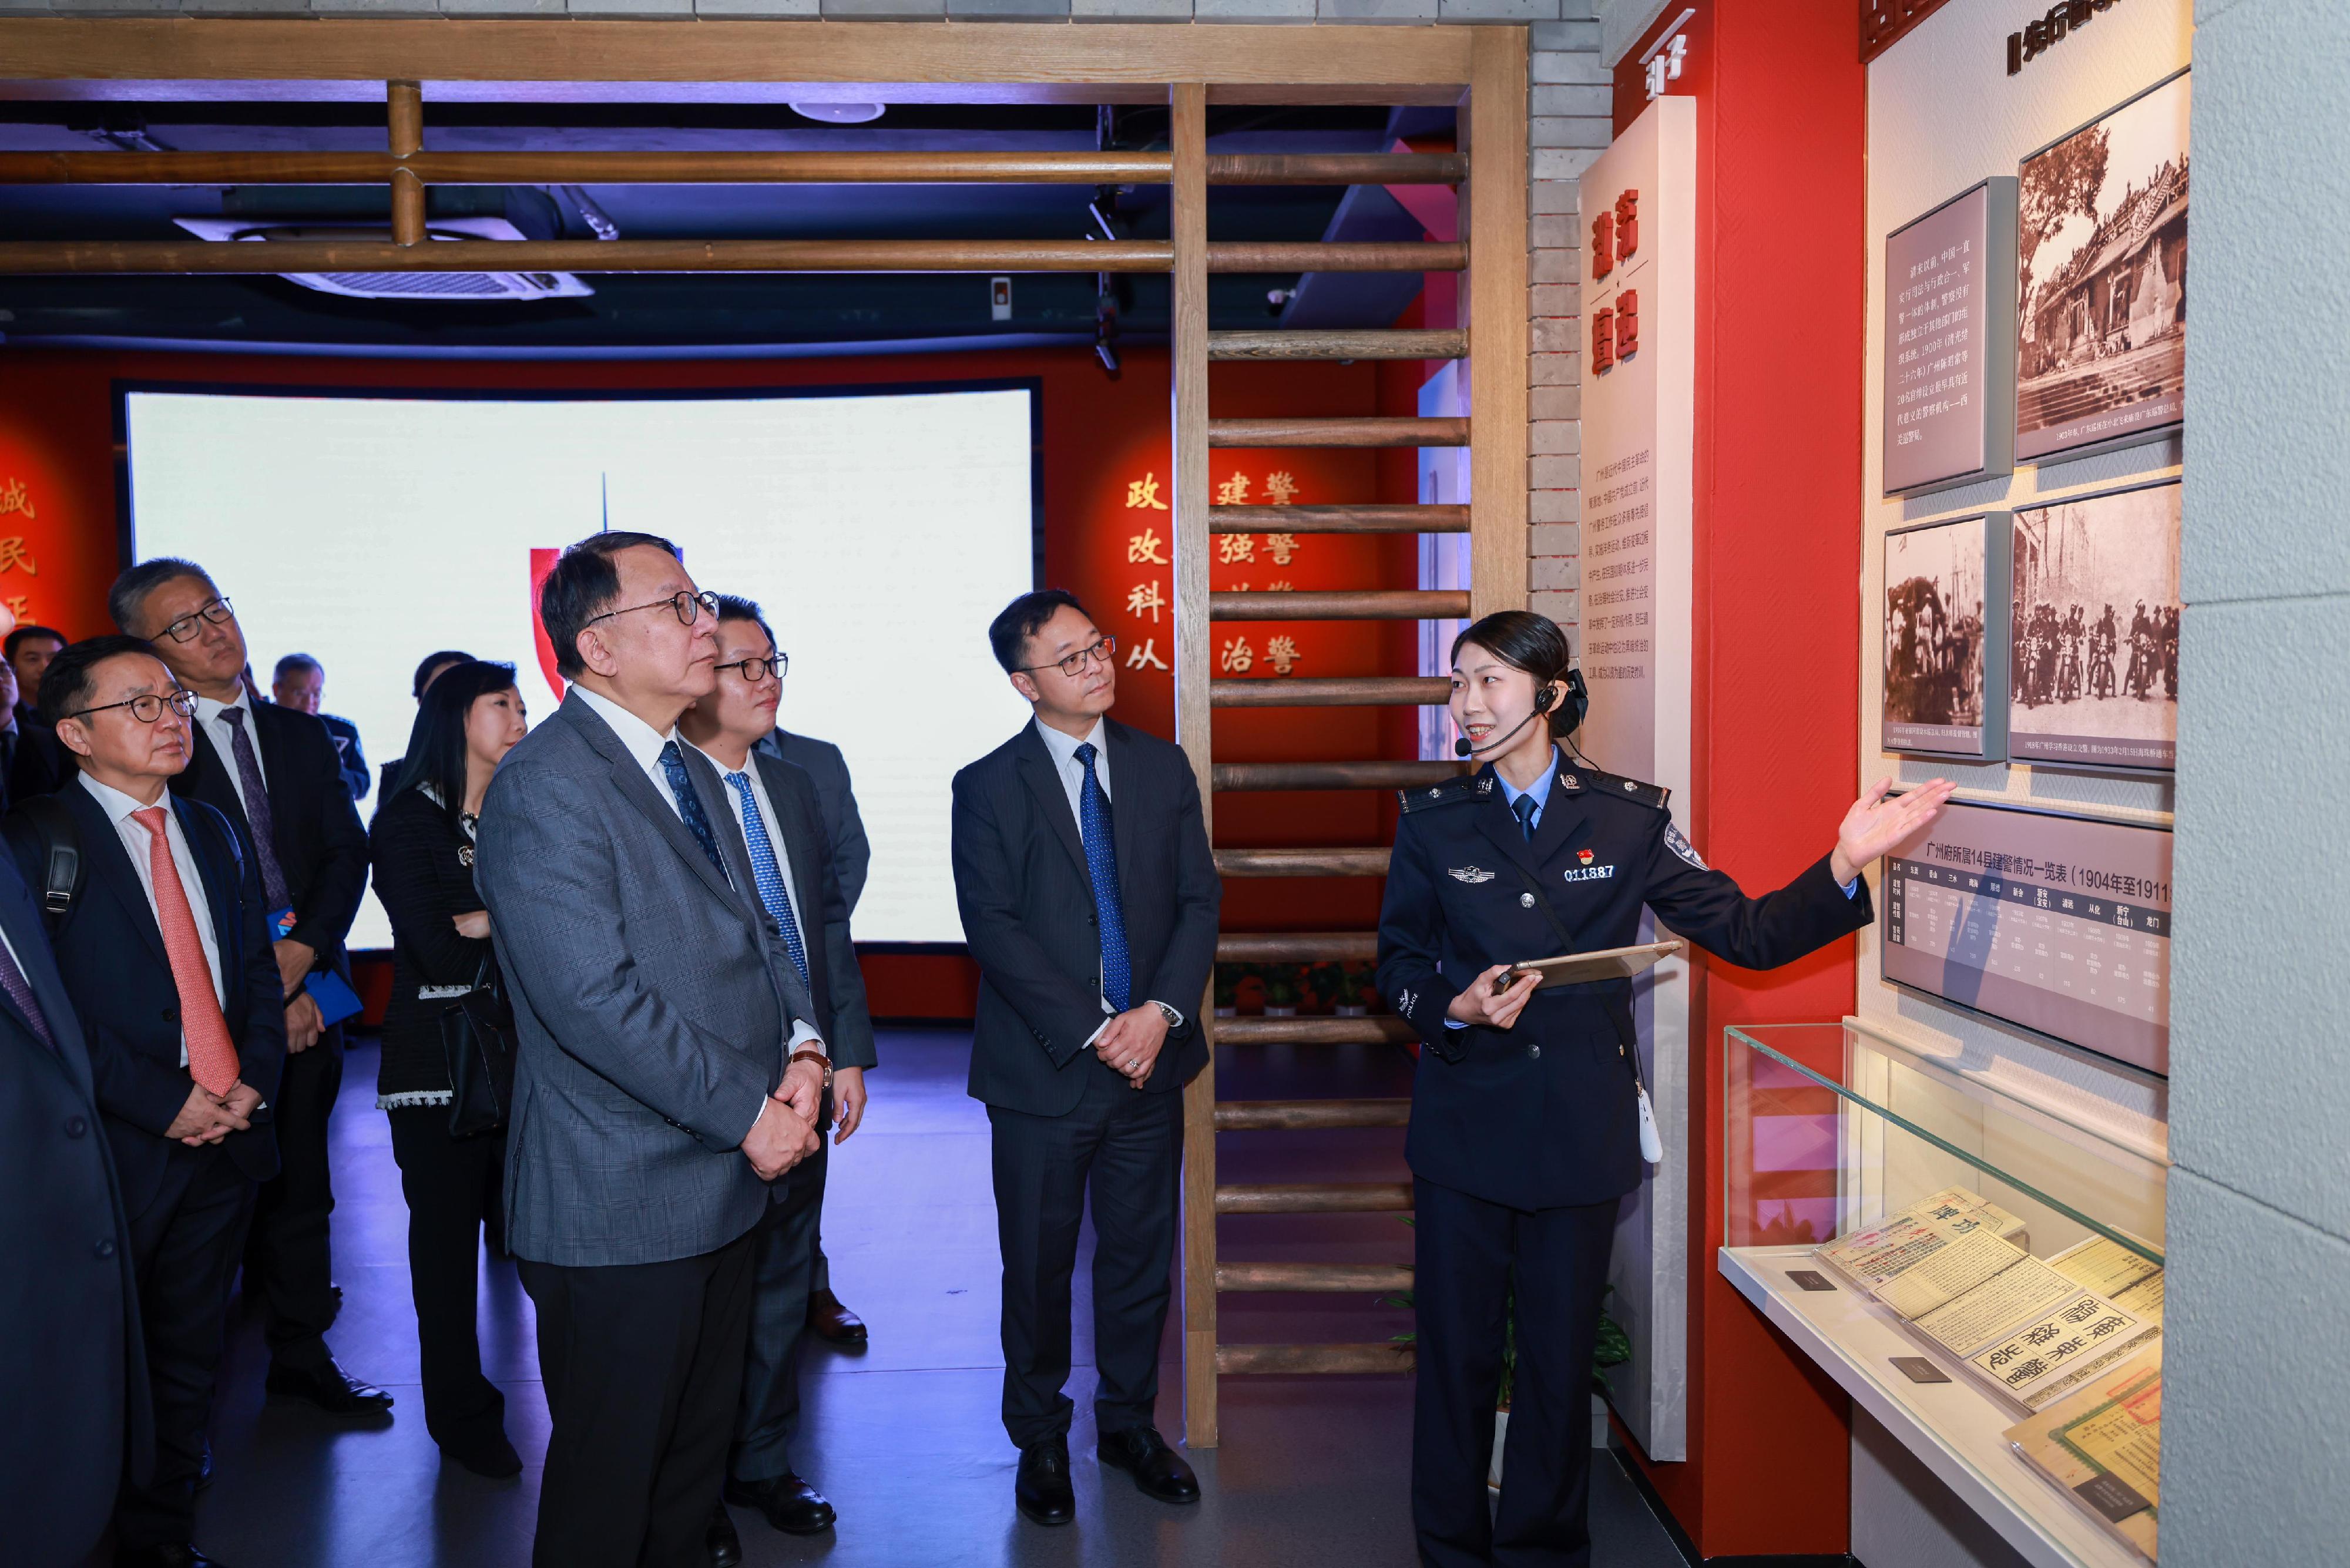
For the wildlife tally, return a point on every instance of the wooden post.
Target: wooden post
(1194, 660)
(404, 113)
(1494, 222)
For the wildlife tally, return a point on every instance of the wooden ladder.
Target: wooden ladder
(1491, 174)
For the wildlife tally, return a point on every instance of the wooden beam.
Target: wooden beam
(1194, 646)
(1134, 62)
(1493, 218)
(1379, 1030)
(1321, 1278)
(1359, 344)
(1334, 862)
(1338, 604)
(1333, 775)
(1314, 1197)
(1295, 946)
(404, 121)
(1337, 168)
(1333, 692)
(1363, 430)
(1310, 1116)
(1342, 256)
(1379, 517)
(1280, 1360)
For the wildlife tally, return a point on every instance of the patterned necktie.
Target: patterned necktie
(212, 1059)
(689, 806)
(20, 992)
(1101, 860)
(256, 810)
(1525, 806)
(767, 874)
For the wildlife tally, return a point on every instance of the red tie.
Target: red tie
(212, 1059)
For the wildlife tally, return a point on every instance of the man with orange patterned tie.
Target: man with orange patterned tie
(164, 948)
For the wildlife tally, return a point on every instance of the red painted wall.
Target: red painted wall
(1105, 461)
(1781, 287)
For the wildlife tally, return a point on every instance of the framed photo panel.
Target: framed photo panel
(2101, 280)
(1949, 398)
(1946, 638)
(2094, 676)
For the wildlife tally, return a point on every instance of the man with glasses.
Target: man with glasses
(671, 1062)
(275, 773)
(165, 953)
(775, 805)
(1089, 900)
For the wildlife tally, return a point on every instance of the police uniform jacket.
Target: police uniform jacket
(1542, 1114)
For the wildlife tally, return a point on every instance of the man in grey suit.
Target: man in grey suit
(852, 856)
(775, 805)
(670, 1060)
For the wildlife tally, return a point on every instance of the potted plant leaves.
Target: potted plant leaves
(1280, 991)
(1355, 993)
(1227, 990)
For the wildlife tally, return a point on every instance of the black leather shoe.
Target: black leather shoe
(178, 1555)
(790, 1504)
(1158, 1470)
(330, 1388)
(828, 1320)
(489, 1455)
(1043, 1490)
(725, 1543)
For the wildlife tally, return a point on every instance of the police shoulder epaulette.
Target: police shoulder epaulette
(1651, 796)
(1451, 791)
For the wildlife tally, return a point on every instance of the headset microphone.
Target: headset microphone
(1544, 700)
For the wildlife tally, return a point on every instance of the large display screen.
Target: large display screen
(2057, 923)
(880, 531)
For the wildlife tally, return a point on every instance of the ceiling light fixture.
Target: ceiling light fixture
(841, 113)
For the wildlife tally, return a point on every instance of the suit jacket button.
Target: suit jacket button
(105, 1249)
(76, 1126)
(1534, 1052)
(170, 1015)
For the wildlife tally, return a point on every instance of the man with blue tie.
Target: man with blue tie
(776, 805)
(1089, 901)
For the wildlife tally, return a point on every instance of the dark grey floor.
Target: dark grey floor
(903, 1438)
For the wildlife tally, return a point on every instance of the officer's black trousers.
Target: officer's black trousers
(1469, 1255)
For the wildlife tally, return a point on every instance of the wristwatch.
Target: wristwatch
(818, 1058)
(1174, 1019)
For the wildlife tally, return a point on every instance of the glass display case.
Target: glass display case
(1982, 1275)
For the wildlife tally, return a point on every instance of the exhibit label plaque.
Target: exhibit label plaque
(1946, 644)
(2101, 280)
(2058, 923)
(2096, 640)
(1949, 392)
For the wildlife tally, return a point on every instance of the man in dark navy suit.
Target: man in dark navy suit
(274, 774)
(1089, 899)
(165, 953)
(74, 1382)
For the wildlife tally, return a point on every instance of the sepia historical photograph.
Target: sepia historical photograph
(2095, 675)
(1934, 624)
(2101, 278)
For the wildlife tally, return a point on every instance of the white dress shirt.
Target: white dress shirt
(208, 719)
(136, 842)
(644, 744)
(1064, 747)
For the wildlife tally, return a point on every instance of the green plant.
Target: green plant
(1228, 985)
(1281, 985)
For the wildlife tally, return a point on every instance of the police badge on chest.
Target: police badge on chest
(1583, 871)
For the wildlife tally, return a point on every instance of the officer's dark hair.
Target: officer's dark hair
(440, 660)
(1524, 641)
(731, 608)
(25, 634)
(1009, 632)
(582, 586)
(124, 599)
(296, 664)
(66, 686)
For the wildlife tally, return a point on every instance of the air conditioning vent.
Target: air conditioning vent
(456, 286)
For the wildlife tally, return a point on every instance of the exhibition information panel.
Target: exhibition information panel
(2057, 923)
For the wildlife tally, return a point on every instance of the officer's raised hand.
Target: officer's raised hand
(1490, 1002)
(1875, 824)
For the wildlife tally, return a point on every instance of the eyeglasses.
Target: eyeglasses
(147, 706)
(685, 605)
(184, 629)
(755, 670)
(1074, 665)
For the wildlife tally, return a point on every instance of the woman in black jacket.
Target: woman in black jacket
(423, 842)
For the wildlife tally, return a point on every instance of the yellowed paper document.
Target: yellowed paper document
(2102, 1444)
(2025, 1290)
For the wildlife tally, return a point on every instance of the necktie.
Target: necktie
(689, 806)
(256, 810)
(212, 1059)
(20, 992)
(1101, 861)
(1525, 806)
(767, 874)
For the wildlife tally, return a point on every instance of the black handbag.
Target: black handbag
(477, 1039)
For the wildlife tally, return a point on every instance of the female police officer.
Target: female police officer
(1524, 1127)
